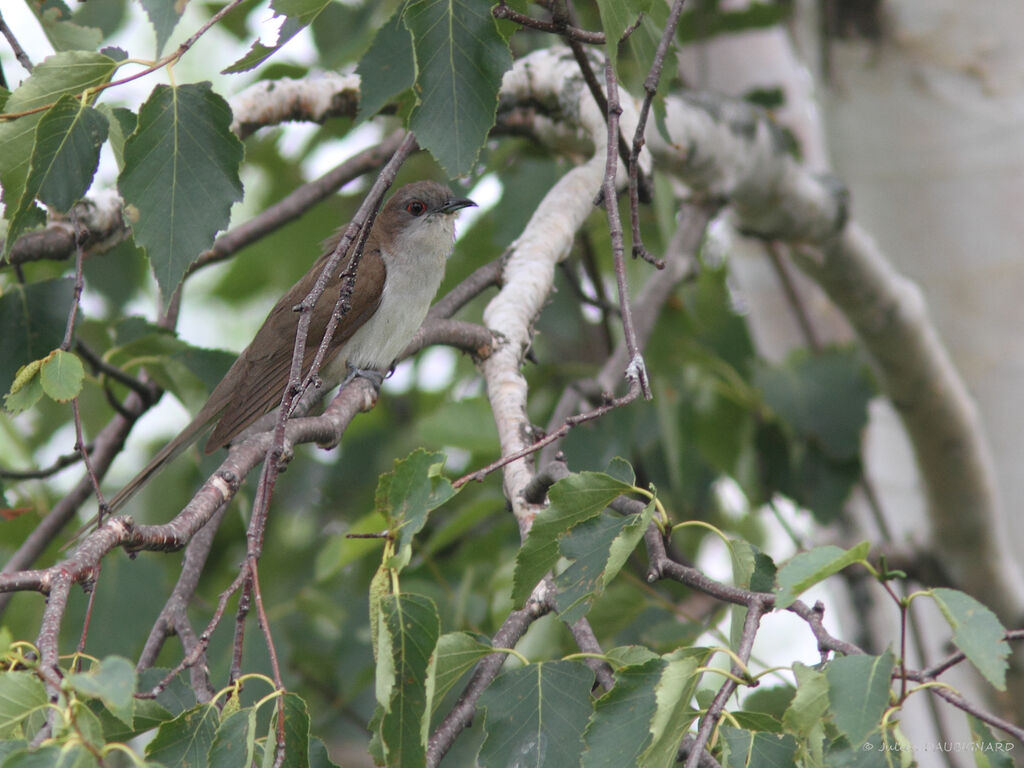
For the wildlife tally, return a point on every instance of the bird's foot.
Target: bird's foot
(374, 377)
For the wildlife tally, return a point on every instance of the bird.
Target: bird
(400, 271)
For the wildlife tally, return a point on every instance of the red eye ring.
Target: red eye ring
(416, 207)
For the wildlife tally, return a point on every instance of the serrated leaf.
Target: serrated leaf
(164, 16)
(387, 68)
(33, 317)
(977, 632)
(30, 393)
(296, 734)
(460, 59)
(621, 470)
(121, 123)
(574, 499)
(808, 568)
(823, 396)
(413, 627)
(536, 713)
(859, 693)
(50, 756)
(810, 703)
(757, 749)
(599, 548)
(298, 15)
(673, 714)
(180, 177)
(616, 17)
(185, 740)
(65, 35)
(61, 376)
(22, 694)
(67, 152)
(409, 492)
(69, 72)
(112, 681)
(619, 729)
(235, 742)
(456, 654)
(991, 752)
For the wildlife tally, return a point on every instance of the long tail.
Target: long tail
(167, 454)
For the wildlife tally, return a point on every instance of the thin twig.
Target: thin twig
(63, 462)
(160, 64)
(510, 632)
(650, 90)
(297, 202)
(636, 371)
(570, 422)
(19, 52)
(569, 32)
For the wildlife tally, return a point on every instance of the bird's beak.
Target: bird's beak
(456, 204)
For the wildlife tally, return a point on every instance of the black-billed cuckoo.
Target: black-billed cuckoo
(396, 279)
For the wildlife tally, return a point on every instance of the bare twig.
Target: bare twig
(755, 610)
(636, 371)
(298, 202)
(650, 90)
(169, 59)
(569, 32)
(19, 52)
(511, 631)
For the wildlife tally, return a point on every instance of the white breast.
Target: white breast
(415, 264)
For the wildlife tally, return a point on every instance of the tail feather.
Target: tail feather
(166, 455)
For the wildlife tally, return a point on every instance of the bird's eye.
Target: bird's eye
(416, 208)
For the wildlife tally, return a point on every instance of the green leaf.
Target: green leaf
(51, 756)
(808, 568)
(701, 24)
(339, 550)
(70, 72)
(164, 16)
(408, 493)
(22, 694)
(63, 34)
(859, 693)
(619, 729)
(757, 749)
(180, 177)
(67, 151)
(990, 752)
(824, 396)
(412, 627)
(26, 389)
(121, 124)
(112, 681)
(574, 499)
(600, 547)
(457, 653)
(673, 714)
(235, 742)
(296, 734)
(536, 713)
(810, 704)
(616, 17)
(185, 740)
(387, 68)
(298, 15)
(460, 58)
(61, 376)
(977, 632)
(33, 317)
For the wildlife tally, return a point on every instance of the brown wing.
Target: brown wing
(255, 383)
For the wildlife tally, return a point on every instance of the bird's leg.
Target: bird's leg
(374, 377)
